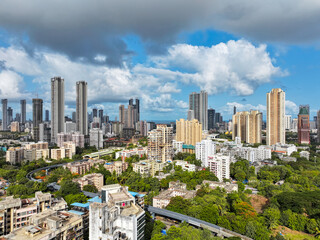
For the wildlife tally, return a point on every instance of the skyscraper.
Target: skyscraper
(57, 107)
(101, 116)
(4, 114)
(198, 102)
(304, 125)
(23, 111)
(135, 110)
(247, 126)
(81, 108)
(37, 113)
(276, 117)
(10, 115)
(94, 113)
(47, 116)
(211, 118)
(234, 110)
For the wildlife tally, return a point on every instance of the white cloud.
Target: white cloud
(169, 88)
(236, 67)
(163, 103)
(228, 108)
(11, 85)
(291, 108)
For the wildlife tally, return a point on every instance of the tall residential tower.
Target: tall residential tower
(4, 114)
(198, 102)
(23, 111)
(276, 132)
(304, 125)
(81, 108)
(37, 113)
(57, 107)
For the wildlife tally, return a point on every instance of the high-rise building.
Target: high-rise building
(276, 132)
(4, 114)
(101, 116)
(74, 117)
(96, 138)
(211, 118)
(47, 116)
(81, 108)
(234, 110)
(57, 107)
(217, 118)
(304, 125)
(37, 113)
(136, 110)
(204, 149)
(318, 125)
(94, 112)
(247, 126)
(126, 116)
(160, 144)
(23, 107)
(198, 102)
(190, 115)
(10, 115)
(288, 122)
(189, 132)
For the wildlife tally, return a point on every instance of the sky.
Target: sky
(160, 52)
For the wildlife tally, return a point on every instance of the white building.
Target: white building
(76, 138)
(177, 146)
(220, 165)
(117, 216)
(185, 165)
(70, 127)
(288, 122)
(287, 149)
(96, 138)
(203, 150)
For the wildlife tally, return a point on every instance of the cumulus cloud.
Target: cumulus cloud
(86, 29)
(291, 108)
(11, 85)
(228, 108)
(236, 66)
(163, 103)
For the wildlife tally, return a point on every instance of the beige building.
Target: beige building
(15, 213)
(175, 189)
(95, 179)
(83, 167)
(148, 168)
(39, 145)
(50, 224)
(61, 153)
(15, 127)
(189, 132)
(160, 143)
(15, 155)
(118, 167)
(247, 126)
(276, 117)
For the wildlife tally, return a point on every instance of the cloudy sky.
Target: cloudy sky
(160, 51)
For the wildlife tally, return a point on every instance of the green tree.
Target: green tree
(272, 216)
(90, 188)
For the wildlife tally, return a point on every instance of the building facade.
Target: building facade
(304, 125)
(81, 108)
(276, 117)
(189, 132)
(198, 102)
(57, 107)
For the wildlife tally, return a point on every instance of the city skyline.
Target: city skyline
(235, 64)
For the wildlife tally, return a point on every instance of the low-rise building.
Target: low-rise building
(287, 149)
(185, 165)
(148, 168)
(118, 167)
(229, 187)
(61, 153)
(50, 225)
(95, 179)
(83, 167)
(175, 189)
(305, 154)
(15, 212)
(131, 152)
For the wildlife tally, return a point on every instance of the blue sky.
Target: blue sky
(161, 52)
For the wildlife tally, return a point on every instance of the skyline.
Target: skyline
(237, 63)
